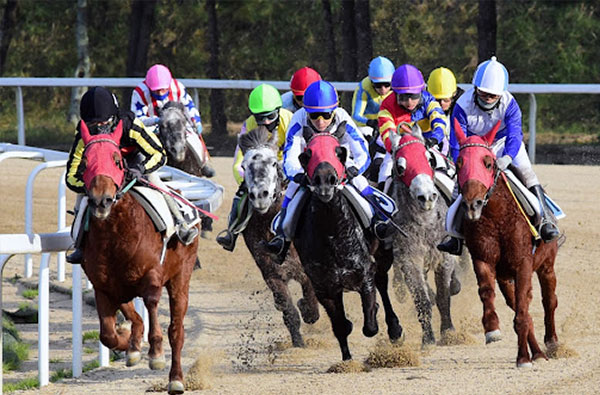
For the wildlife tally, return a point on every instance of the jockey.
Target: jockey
(301, 79)
(477, 111)
(156, 90)
(141, 150)
(368, 96)
(322, 114)
(264, 103)
(410, 103)
(442, 85)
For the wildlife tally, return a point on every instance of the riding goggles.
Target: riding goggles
(325, 115)
(485, 95)
(266, 117)
(403, 97)
(378, 85)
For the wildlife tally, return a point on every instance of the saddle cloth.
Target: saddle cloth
(362, 208)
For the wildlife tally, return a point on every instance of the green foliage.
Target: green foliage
(539, 42)
(61, 374)
(24, 384)
(91, 335)
(14, 351)
(30, 294)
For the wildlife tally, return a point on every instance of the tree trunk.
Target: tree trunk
(7, 29)
(332, 73)
(348, 41)
(141, 22)
(218, 119)
(486, 29)
(364, 41)
(83, 59)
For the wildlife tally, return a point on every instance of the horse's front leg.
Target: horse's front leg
(108, 334)
(134, 354)
(547, 279)
(308, 304)
(368, 296)
(151, 298)
(285, 304)
(417, 285)
(443, 277)
(486, 277)
(384, 262)
(341, 326)
(523, 324)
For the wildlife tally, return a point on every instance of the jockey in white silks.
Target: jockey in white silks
(322, 114)
(477, 111)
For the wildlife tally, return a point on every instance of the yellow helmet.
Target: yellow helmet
(441, 83)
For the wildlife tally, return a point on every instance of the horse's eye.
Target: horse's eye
(488, 165)
(459, 162)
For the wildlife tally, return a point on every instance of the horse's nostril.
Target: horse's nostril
(332, 180)
(265, 194)
(252, 195)
(478, 203)
(422, 198)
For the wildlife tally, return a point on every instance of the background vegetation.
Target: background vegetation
(538, 41)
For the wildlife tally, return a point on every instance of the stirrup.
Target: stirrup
(452, 246)
(226, 239)
(187, 236)
(383, 230)
(279, 246)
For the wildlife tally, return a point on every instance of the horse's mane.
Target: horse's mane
(256, 138)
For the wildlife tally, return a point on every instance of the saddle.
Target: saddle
(444, 173)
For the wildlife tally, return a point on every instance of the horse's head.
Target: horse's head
(412, 167)
(262, 172)
(104, 171)
(476, 168)
(172, 128)
(323, 161)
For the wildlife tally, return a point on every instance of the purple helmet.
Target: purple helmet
(407, 79)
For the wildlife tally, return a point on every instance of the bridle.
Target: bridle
(497, 172)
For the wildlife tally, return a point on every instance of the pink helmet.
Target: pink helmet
(158, 77)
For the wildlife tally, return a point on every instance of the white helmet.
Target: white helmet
(491, 77)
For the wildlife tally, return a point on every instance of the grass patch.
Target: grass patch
(25, 384)
(25, 306)
(61, 374)
(14, 353)
(91, 366)
(88, 350)
(91, 335)
(30, 294)
(56, 360)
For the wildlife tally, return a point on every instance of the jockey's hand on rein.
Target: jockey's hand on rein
(351, 172)
(431, 142)
(503, 162)
(301, 179)
(134, 172)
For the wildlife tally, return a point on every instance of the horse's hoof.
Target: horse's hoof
(175, 387)
(310, 314)
(526, 365)
(398, 341)
(133, 358)
(493, 336)
(158, 363)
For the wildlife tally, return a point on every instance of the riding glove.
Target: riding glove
(301, 179)
(503, 162)
(351, 172)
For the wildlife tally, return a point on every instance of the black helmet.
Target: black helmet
(98, 104)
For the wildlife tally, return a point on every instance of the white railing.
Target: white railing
(18, 83)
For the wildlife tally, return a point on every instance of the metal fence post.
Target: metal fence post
(20, 117)
(532, 116)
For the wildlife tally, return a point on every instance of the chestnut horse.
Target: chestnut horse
(122, 259)
(263, 176)
(422, 215)
(333, 248)
(502, 247)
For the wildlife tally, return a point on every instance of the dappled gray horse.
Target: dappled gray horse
(422, 217)
(172, 132)
(263, 177)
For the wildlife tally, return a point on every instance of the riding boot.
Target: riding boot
(185, 232)
(452, 246)
(549, 229)
(279, 245)
(227, 238)
(75, 257)
(207, 170)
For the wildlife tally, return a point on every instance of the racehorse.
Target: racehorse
(333, 248)
(502, 247)
(421, 218)
(122, 259)
(263, 176)
(173, 134)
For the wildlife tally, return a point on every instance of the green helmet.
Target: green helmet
(264, 98)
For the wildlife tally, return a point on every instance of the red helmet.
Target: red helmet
(302, 79)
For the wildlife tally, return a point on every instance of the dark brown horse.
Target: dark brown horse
(123, 260)
(500, 241)
(333, 247)
(263, 177)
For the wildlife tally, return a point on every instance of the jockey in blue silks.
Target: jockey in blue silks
(477, 111)
(322, 114)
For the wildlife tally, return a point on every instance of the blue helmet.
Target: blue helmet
(381, 69)
(320, 96)
(491, 76)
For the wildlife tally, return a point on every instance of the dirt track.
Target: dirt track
(232, 321)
